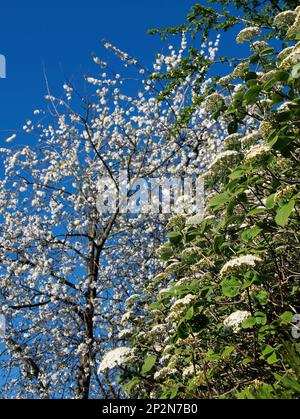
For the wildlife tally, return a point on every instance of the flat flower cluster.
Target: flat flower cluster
(286, 18)
(213, 102)
(240, 265)
(235, 320)
(115, 358)
(257, 153)
(180, 306)
(222, 162)
(247, 34)
(294, 29)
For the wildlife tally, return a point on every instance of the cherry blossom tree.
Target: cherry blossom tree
(67, 267)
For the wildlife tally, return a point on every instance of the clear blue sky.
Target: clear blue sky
(62, 34)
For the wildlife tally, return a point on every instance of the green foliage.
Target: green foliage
(217, 322)
(148, 363)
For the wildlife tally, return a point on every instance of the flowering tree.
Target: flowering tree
(218, 320)
(67, 263)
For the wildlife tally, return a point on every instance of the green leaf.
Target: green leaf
(212, 356)
(175, 237)
(252, 95)
(231, 287)
(262, 297)
(131, 384)
(190, 313)
(232, 127)
(219, 200)
(261, 318)
(269, 354)
(288, 382)
(174, 392)
(219, 240)
(183, 330)
(272, 359)
(296, 71)
(246, 361)
(250, 76)
(251, 233)
(199, 322)
(281, 75)
(270, 202)
(256, 211)
(249, 323)
(283, 214)
(237, 174)
(227, 351)
(148, 363)
(287, 317)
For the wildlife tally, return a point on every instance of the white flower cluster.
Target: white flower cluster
(265, 77)
(190, 371)
(257, 152)
(223, 162)
(122, 55)
(157, 330)
(180, 307)
(259, 45)
(114, 358)
(173, 267)
(265, 128)
(183, 206)
(195, 219)
(186, 301)
(213, 102)
(223, 81)
(125, 333)
(131, 300)
(294, 29)
(240, 70)
(11, 138)
(240, 264)
(247, 34)
(235, 320)
(2, 325)
(283, 54)
(163, 372)
(250, 139)
(293, 57)
(285, 18)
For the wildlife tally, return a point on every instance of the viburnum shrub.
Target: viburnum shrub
(217, 321)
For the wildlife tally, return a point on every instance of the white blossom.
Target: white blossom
(240, 264)
(115, 358)
(247, 34)
(235, 320)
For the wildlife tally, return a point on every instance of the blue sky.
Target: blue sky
(61, 35)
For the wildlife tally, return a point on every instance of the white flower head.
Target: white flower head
(240, 264)
(225, 160)
(115, 358)
(257, 152)
(213, 102)
(250, 139)
(259, 45)
(247, 34)
(235, 320)
(285, 18)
